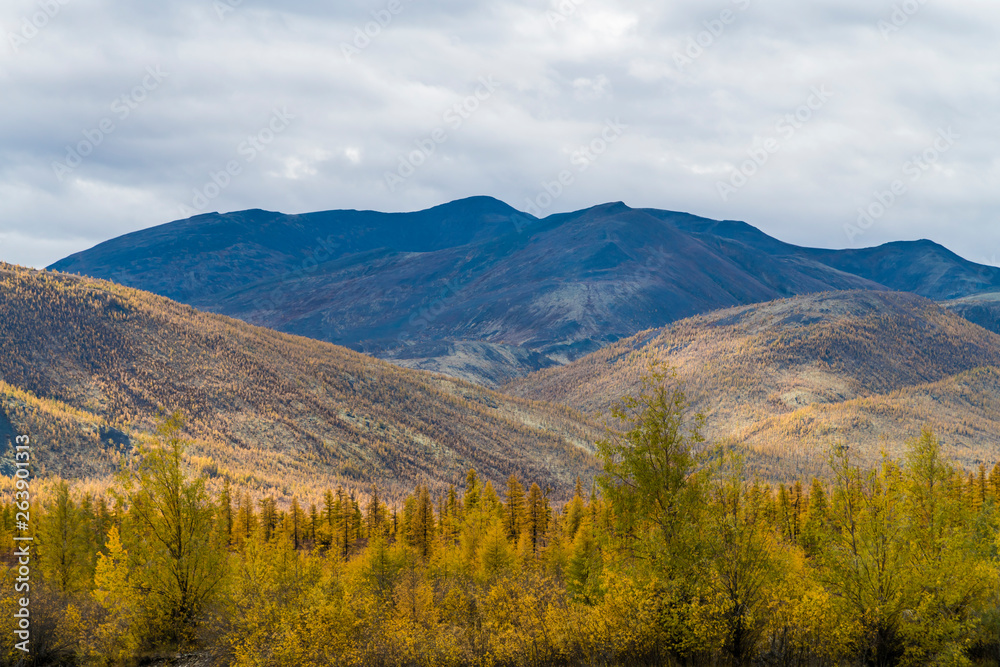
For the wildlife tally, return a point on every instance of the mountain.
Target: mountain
(983, 309)
(478, 290)
(86, 366)
(790, 377)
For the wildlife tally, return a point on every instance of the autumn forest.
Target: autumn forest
(676, 555)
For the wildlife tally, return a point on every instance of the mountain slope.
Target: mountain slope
(481, 291)
(750, 368)
(963, 410)
(983, 309)
(267, 409)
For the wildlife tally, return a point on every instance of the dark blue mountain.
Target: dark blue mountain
(478, 289)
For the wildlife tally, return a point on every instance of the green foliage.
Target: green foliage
(176, 562)
(656, 472)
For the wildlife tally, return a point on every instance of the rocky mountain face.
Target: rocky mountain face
(478, 290)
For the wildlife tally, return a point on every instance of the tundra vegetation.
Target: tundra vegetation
(676, 556)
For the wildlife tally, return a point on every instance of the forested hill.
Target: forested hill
(479, 290)
(86, 366)
(791, 377)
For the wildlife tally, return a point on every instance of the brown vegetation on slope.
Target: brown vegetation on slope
(788, 377)
(266, 409)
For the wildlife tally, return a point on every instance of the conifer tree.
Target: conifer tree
(268, 517)
(514, 510)
(297, 519)
(537, 519)
(421, 522)
(225, 522)
(246, 519)
(63, 543)
(471, 490)
(313, 522)
(374, 514)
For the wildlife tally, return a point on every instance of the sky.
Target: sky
(829, 123)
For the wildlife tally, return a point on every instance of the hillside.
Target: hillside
(87, 365)
(963, 410)
(478, 290)
(791, 376)
(983, 309)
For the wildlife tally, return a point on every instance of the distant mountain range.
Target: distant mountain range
(479, 290)
(86, 367)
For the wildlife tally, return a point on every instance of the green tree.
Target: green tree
(172, 519)
(866, 557)
(583, 571)
(653, 467)
(63, 547)
(743, 565)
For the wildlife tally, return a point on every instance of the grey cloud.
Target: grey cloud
(561, 80)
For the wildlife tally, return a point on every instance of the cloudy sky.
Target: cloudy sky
(795, 116)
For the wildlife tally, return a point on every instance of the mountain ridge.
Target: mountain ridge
(477, 277)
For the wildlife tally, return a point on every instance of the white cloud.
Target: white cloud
(559, 82)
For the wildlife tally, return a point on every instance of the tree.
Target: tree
(514, 510)
(955, 567)
(652, 466)
(583, 571)
(374, 516)
(421, 522)
(63, 544)
(537, 519)
(173, 526)
(246, 520)
(655, 478)
(743, 564)
(866, 558)
(119, 635)
(471, 490)
(297, 520)
(225, 523)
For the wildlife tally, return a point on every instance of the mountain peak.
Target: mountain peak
(611, 208)
(477, 204)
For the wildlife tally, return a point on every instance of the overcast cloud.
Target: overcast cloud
(118, 115)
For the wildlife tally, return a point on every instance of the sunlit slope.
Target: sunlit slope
(267, 409)
(796, 374)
